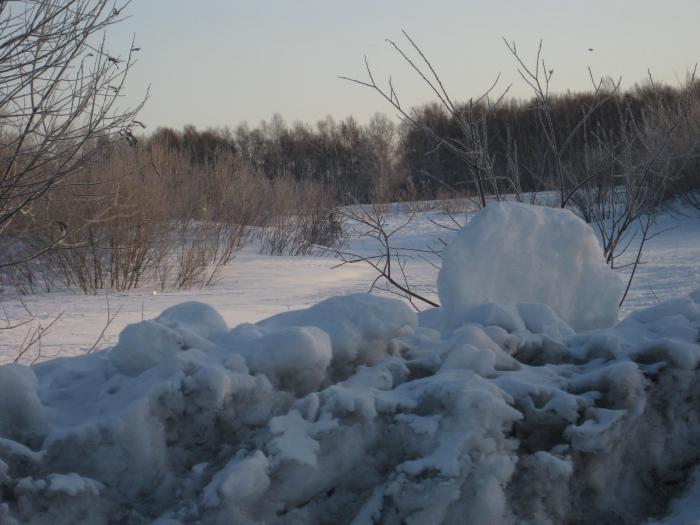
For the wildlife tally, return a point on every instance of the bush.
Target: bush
(151, 215)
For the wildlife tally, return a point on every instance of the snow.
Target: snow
(22, 414)
(357, 410)
(144, 345)
(685, 510)
(254, 287)
(239, 481)
(361, 326)
(294, 358)
(72, 484)
(514, 253)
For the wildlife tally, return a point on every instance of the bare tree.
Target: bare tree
(538, 77)
(389, 261)
(472, 148)
(60, 89)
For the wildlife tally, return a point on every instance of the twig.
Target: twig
(382, 262)
(108, 322)
(33, 337)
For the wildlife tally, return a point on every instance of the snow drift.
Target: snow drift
(358, 411)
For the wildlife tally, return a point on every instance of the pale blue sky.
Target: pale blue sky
(221, 62)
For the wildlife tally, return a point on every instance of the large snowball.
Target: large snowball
(514, 253)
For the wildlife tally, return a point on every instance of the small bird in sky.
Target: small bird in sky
(591, 49)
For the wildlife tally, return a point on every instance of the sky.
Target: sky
(218, 63)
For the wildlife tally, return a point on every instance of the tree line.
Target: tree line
(384, 161)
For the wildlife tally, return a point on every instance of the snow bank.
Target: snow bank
(352, 412)
(358, 411)
(514, 253)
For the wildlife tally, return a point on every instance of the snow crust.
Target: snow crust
(359, 411)
(514, 253)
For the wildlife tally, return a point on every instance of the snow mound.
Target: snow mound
(361, 326)
(187, 325)
(352, 412)
(144, 345)
(513, 253)
(294, 358)
(197, 318)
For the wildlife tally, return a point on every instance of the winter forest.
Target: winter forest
(481, 306)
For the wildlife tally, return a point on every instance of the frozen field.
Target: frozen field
(256, 286)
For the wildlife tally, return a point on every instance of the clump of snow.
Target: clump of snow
(72, 484)
(361, 326)
(197, 318)
(22, 414)
(240, 482)
(144, 345)
(188, 325)
(514, 253)
(294, 358)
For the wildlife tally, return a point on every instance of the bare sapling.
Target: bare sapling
(389, 262)
(472, 149)
(538, 77)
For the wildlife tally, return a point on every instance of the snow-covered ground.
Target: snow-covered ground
(256, 286)
(355, 409)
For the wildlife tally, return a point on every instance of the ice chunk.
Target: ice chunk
(514, 253)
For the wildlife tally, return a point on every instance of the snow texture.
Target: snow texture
(514, 253)
(358, 411)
